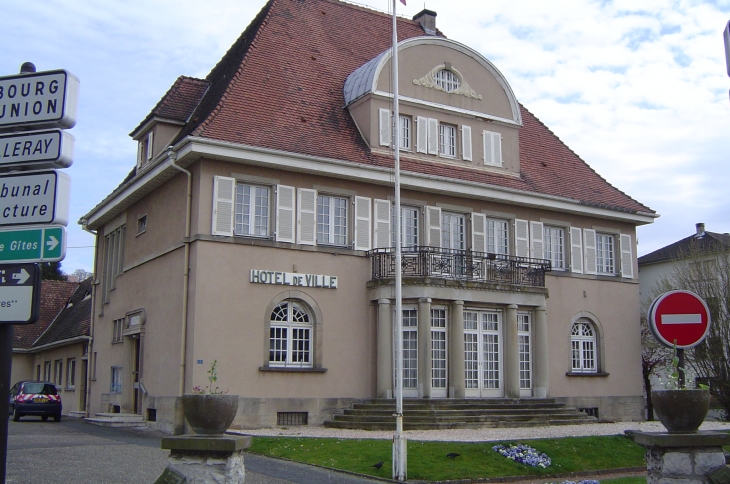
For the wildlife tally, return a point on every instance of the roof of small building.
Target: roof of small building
(54, 295)
(281, 86)
(73, 320)
(694, 244)
(179, 101)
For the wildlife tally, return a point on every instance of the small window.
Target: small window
(605, 254)
(554, 247)
(447, 140)
(497, 236)
(70, 373)
(447, 80)
(584, 347)
(453, 231)
(116, 384)
(118, 330)
(252, 210)
(405, 133)
(47, 371)
(142, 224)
(58, 373)
(287, 419)
(331, 220)
(409, 227)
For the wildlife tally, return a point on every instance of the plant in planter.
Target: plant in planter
(210, 410)
(680, 409)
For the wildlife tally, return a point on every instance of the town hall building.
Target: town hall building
(256, 230)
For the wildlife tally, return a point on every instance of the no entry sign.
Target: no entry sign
(679, 318)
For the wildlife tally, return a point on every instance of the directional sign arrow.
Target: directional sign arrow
(22, 276)
(52, 242)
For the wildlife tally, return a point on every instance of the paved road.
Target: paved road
(74, 452)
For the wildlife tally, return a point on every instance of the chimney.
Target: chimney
(700, 228)
(427, 19)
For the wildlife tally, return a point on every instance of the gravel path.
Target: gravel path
(477, 435)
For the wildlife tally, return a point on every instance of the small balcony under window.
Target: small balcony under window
(460, 265)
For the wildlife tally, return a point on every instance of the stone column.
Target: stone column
(384, 377)
(456, 350)
(511, 352)
(205, 459)
(424, 347)
(676, 458)
(540, 366)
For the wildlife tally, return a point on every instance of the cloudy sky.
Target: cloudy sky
(638, 89)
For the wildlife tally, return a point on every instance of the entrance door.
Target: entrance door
(483, 354)
(524, 337)
(438, 353)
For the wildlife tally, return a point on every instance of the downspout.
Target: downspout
(172, 155)
(90, 360)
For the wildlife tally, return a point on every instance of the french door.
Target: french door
(438, 353)
(524, 337)
(483, 354)
(410, 353)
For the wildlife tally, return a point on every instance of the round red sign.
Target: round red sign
(679, 318)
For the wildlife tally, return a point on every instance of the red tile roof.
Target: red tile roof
(280, 86)
(179, 101)
(54, 296)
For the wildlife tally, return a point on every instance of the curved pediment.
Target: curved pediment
(482, 90)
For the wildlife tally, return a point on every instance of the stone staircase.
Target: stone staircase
(435, 414)
(117, 420)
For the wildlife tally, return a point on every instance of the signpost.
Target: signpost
(30, 101)
(679, 318)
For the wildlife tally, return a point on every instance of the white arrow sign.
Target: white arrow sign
(21, 277)
(52, 243)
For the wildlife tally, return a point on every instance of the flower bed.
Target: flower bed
(524, 454)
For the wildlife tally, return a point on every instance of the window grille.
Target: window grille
(447, 80)
(292, 418)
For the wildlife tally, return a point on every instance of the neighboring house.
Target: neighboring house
(263, 236)
(657, 265)
(56, 347)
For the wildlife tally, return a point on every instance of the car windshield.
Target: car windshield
(42, 388)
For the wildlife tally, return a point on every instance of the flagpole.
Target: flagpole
(399, 440)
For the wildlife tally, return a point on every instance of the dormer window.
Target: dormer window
(447, 80)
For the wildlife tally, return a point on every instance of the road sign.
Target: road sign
(20, 293)
(35, 198)
(37, 149)
(679, 318)
(37, 244)
(43, 100)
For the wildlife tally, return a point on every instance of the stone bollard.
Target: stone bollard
(677, 458)
(204, 459)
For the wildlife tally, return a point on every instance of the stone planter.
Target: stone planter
(210, 414)
(681, 410)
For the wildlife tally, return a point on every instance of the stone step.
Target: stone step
(464, 411)
(117, 420)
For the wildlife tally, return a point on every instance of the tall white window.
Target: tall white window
(497, 236)
(58, 372)
(554, 247)
(438, 351)
(604, 254)
(583, 344)
(116, 383)
(409, 226)
(525, 350)
(453, 233)
(405, 133)
(410, 350)
(447, 140)
(113, 259)
(252, 210)
(290, 336)
(70, 373)
(331, 220)
(47, 370)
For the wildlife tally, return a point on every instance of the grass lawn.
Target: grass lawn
(428, 460)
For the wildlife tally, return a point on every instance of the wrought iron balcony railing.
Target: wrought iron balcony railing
(460, 265)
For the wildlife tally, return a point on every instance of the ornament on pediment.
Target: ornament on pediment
(446, 78)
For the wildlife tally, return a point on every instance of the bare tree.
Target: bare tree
(654, 355)
(707, 274)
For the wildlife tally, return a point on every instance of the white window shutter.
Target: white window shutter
(466, 143)
(488, 151)
(497, 141)
(385, 127)
(492, 148)
(306, 216)
(522, 239)
(576, 250)
(433, 136)
(382, 223)
(362, 223)
(224, 192)
(285, 214)
(422, 134)
(627, 256)
(536, 240)
(589, 244)
(150, 139)
(478, 232)
(433, 226)
(140, 153)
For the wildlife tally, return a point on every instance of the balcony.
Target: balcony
(460, 265)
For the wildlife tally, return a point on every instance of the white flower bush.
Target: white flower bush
(524, 454)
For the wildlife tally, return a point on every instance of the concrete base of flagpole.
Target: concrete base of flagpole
(400, 458)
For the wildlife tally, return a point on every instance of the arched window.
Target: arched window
(447, 80)
(584, 346)
(290, 335)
